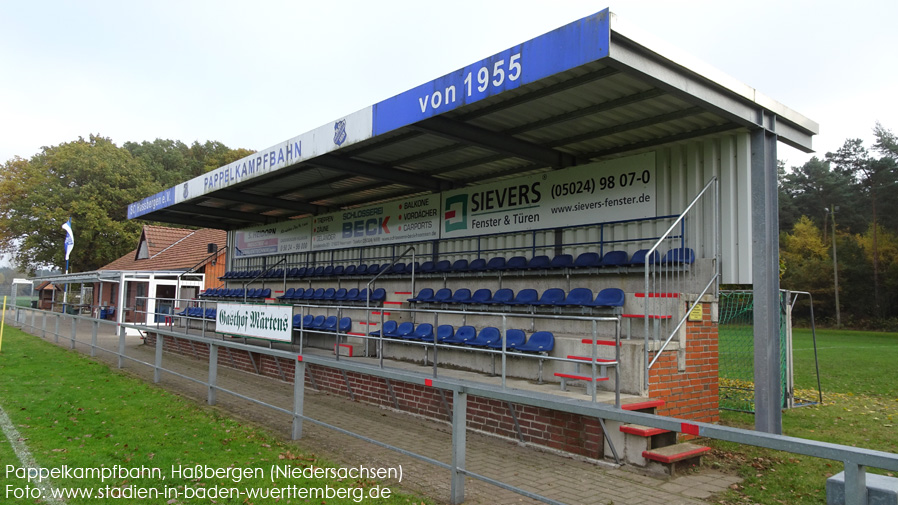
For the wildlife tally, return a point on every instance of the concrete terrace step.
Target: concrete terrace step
(642, 405)
(674, 458)
(642, 431)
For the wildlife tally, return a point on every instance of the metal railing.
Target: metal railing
(666, 281)
(854, 459)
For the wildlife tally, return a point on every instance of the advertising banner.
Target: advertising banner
(606, 191)
(279, 238)
(410, 220)
(269, 322)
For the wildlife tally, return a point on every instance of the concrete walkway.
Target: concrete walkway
(557, 477)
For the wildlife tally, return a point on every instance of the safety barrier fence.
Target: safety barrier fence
(855, 460)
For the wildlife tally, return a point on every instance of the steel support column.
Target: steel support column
(459, 431)
(213, 374)
(765, 277)
(299, 383)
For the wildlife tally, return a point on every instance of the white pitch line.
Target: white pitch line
(18, 446)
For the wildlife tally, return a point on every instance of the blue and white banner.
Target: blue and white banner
(69, 238)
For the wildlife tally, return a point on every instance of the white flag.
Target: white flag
(69, 238)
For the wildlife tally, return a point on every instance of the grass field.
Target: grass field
(860, 393)
(80, 414)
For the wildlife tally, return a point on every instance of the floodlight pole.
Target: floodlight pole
(832, 211)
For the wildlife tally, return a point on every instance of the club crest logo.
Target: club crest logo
(340, 132)
(186, 191)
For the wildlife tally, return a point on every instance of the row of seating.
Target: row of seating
(552, 297)
(249, 294)
(334, 295)
(489, 337)
(680, 255)
(322, 323)
(198, 313)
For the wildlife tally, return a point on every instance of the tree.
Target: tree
(813, 187)
(171, 162)
(92, 181)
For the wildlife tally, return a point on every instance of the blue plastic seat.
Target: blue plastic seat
(551, 297)
(287, 294)
(378, 295)
(460, 266)
(340, 295)
(463, 335)
(540, 341)
(462, 295)
(329, 294)
(424, 296)
(427, 267)
(373, 269)
(362, 296)
(516, 263)
(539, 263)
(345, 325)
(352, 295)
(210, 313)
(587, 260)
(317, 323)
(526, 296)
(318, 272)
(404, 328)
(328, 271)
(487, 336)
(301, 272)
(609, 297)
(442, 295)
(477, 265)
(182, 313)
(398, 269)
(293, 272)
(297, 320)
(424, 332)
(442, 266)
(307, 294)
(579, 297)
(679, 256)
(338, 270)
(330, 324)
(497, 263)
(513, 338)
(207, 292)
(350, 270)
(503, 296)
(389, 327)
(562, 261)
(482, 295)
(640, 257)
(319, 294)
(444, 331)
(307, 320)
(615, 259)
(278, 274)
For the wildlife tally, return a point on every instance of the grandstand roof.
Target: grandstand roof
(591, 90)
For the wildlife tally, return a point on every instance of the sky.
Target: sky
(252, 74)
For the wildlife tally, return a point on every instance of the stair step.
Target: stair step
(675, 453)
(599, 342)
(642, 431)
(579, 377)
(587, 358)
(642, 405)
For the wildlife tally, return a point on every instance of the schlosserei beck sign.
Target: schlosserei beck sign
(269, 322)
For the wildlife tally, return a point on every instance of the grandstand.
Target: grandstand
(566, 228)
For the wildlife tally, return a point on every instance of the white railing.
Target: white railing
(675, 275)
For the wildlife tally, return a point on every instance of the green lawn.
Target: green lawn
(78, 413)
(860, 392)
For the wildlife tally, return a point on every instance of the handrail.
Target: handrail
(679, 222)
(368, 297)
(263, 272)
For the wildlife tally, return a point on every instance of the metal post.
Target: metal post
(93, 338)
(213, 373)
(299, 379)
(74, 330)
(157, 371)
(855, 484)
(832, 210)
(56, 331)
(121, 348)
(765, 277)
(459, 430)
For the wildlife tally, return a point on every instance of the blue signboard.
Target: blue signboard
(149, 204)
(567, 47)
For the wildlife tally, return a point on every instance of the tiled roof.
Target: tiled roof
(171, 249)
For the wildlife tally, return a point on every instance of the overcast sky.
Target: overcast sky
(252, 74)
